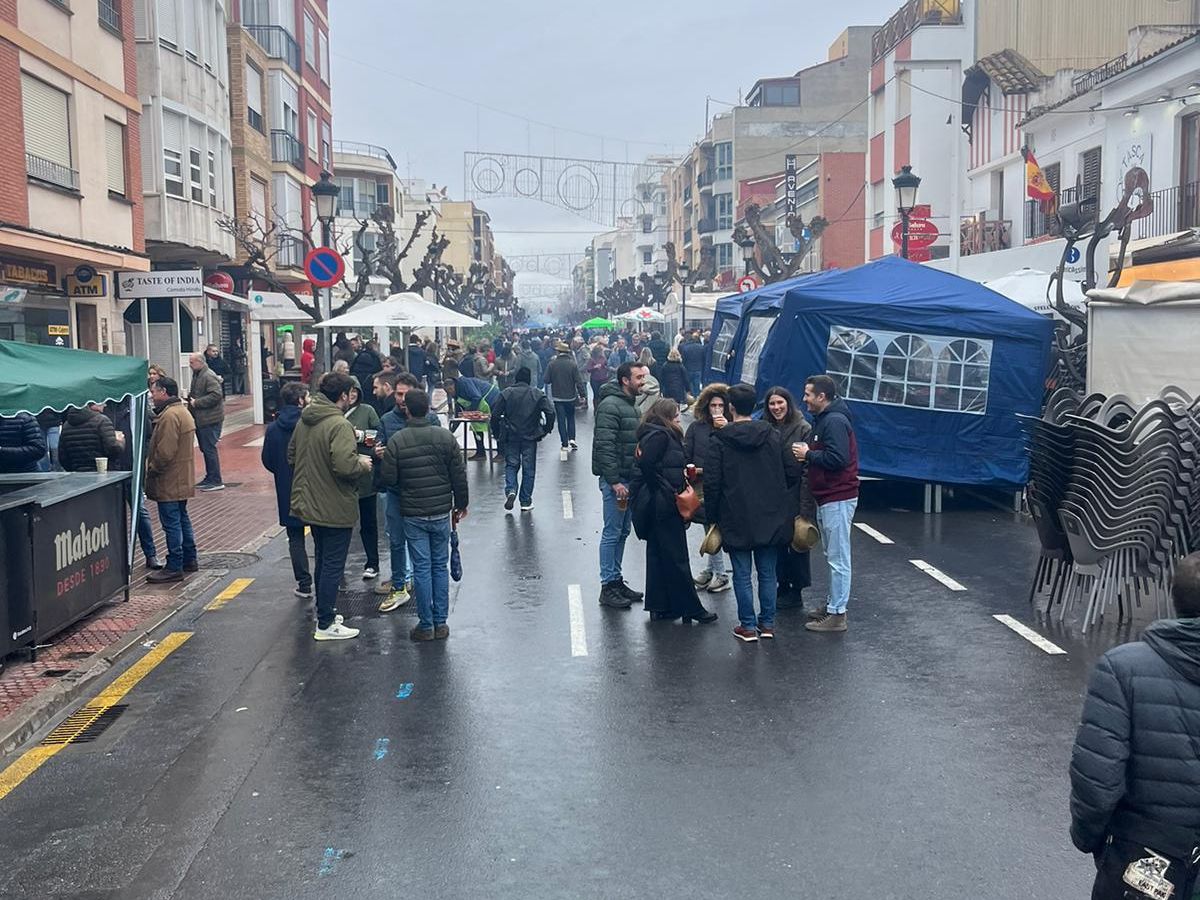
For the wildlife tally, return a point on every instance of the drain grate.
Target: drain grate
(78, 654)
(85, 725)
(365, 605)
(228, 560)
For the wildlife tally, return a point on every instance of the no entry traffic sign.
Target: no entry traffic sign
(324, 266)
(748, 283)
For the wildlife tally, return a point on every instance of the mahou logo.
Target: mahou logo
(72, 546)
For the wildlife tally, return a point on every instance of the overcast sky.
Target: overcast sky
(615, 80)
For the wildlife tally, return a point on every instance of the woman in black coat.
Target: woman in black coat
(793, 572)
(710, 414)
(673, 378)
(658, 476)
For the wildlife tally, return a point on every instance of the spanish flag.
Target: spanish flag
(1036, 185)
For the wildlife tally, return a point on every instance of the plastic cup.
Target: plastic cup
(369, 437)
(102, 464)
(622, 503)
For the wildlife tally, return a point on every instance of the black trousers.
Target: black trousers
(793, 572)
(669, 587)
(299, 554)
(368, 528)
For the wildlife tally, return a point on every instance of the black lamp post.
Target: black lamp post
(747, 245)
(683, 271)
(906, 184)
(325, 195)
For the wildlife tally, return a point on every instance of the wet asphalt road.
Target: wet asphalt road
(922, 755)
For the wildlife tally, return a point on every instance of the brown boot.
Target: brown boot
(829, 623)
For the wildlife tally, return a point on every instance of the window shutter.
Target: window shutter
(114, 150)
(191, 28)
(1091, 173)
(324, 51)
(254, 91)
(258, 200)
(168, 22)
(141, 27)
(47, 128)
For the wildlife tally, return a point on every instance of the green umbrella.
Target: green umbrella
(598, 322)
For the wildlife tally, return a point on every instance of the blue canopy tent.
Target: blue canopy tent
(730, 326)
(935, 368)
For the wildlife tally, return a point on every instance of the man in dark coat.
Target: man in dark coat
(521, 417)
(293, 397)
(659, 350)
(367, 364)
(1135, 769)
(22, 444)
(86, 436)
(563, 380)
(692, 352)
(746, 494)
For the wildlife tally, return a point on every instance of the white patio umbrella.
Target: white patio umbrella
(406, 310)
(642, 314)
(1028, 287)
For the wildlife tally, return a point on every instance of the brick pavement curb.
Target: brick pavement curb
(43, 709)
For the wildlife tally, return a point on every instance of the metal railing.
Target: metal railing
(687, 236)
(705, 179)
(291, 252)
(909, 16)
(706, 226)
(110, 14)
(982, 235)
(1037, 223)
(357, 148)
(1089, 80)
(1175, 209)
(51, 172)
(286, 148)
(278, 43)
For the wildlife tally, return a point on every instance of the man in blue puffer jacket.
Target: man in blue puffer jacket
(22, 444)
(1135, 770)
(293, 397)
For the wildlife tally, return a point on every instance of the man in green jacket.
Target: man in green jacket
(326, 470)
(206, 400)
(425, 467)
(613, 444)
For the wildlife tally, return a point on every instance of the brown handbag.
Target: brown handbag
(687, 502)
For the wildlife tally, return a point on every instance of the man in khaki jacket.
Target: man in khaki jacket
(206, 400)
(170, 478)
(326, 468)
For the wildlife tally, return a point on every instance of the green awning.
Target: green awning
(34, 378)
(598, 323)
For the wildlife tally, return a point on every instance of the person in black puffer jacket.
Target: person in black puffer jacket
(657, 477)
(673, 378)
(87, 434)
(1135, 769)
(22, 444)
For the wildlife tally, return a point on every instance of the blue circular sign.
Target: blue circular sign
(324, 266)
(1073, 255)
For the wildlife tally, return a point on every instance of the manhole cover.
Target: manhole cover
(365, 605)
(228, 560)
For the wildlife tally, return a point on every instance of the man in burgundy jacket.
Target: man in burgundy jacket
(832, 457)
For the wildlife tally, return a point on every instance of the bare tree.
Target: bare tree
(775, 265)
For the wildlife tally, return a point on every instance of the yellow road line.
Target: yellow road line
(236, 587)
(31, 760)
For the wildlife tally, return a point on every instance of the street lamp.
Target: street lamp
(906, 184)
(683, 270)
(747, 245)
(325, 194)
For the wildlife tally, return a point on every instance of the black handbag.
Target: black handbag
(1165, 867)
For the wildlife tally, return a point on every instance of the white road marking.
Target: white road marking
(1032, 636)
(937, 574)
(578, 634)
(257, 442)
(878, 535)
(568, 506)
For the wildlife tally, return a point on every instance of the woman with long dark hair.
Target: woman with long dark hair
(710, 414)
(793, 573)
(658, 477)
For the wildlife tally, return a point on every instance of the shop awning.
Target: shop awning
(405, 310)
(272, 306)
(231, 298)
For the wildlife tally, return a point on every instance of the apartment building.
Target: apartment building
(469, 231)
(282, 119)
(366, 179)
(71, 215)
(186, 174)
(815, 115)
(929, 62)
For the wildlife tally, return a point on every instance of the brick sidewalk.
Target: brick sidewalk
(225, 521)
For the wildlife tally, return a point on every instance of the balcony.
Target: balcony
(357, 148)
(1038, 225)
(910, 16)
(278, 43)
(291, 252)
(1175, 209)
(360, 208)
(705, 180)
(43, 170)
(687, 195)
(1089, 80)
(286, 148)
(984, 235)
(706, 226)
(687, 237)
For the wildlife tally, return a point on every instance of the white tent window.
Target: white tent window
(947, 374)
(757, 330)
(114, 152)
(723, 344)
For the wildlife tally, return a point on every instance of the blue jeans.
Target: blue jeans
(402, 567)
(694, 383)
(716, 563)
(564, 414)
(177, 526)
(145, 531)
(207, 437)
(612, 538)
(834, 520)
(745, 562)
(429, 547)
(333, 546)
(520, 454)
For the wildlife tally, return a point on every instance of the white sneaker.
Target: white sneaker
(394, 600)
(335, 632)
(370, 574)
(303, 594)
(572, 445)
(562, 455)
(527, 507)
(719, 583)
